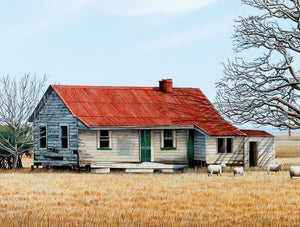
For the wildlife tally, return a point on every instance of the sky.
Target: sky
(118, 42)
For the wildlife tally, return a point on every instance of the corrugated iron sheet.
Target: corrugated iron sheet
(143, 106)
(256, 133)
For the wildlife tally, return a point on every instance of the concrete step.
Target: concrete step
(139, 170)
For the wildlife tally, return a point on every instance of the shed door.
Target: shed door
(145, 146)
(253, 154)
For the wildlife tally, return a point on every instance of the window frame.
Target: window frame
(99, 140)
(163, 140)
(225, 139)
(61, 137)
(39, 134)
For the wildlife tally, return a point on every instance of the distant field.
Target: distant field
(287, 148)
(52, 198)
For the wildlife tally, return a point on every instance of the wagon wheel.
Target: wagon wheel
(1, 162)
(10, 162)
(5, 163)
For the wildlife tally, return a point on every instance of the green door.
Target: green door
(191, 147)
(145, 146)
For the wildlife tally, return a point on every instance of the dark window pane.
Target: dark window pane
(104, 133)
(168, 138)
(43, 139)
(64, 130)
(104, 139)
(43, 143)
(104, 144)
(168, 134)
(221, 145)
(43, 131)
(168, 143)
(64, 142)
(229, 145)
(64, 136)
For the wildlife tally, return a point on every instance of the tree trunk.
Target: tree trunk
(15, 164)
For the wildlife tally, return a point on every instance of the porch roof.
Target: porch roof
(256, 132)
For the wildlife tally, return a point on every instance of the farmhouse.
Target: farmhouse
(86, 125)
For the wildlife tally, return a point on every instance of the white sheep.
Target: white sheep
(215, 169)
(294, 171)
(274, 167)
(238, 170)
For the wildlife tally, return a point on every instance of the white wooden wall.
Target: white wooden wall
(125, 147)
(265, 149)
(180, 155)
(199, 146)
(234, 158)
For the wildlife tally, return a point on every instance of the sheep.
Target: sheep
(215, 169)
(294, 171)
(274, 167)
(238, 170)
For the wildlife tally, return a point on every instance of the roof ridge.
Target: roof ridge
(116, 87)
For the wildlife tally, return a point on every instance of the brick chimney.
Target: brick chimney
(166, 85)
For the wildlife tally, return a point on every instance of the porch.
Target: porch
(144, 167)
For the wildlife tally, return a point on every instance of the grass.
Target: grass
(62, 198)
(52, 198)
(287, 149)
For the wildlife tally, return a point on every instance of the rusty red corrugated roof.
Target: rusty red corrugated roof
(256, 132)
(143, 106)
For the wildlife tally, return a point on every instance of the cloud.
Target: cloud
(163, 7)
(134, 8)
(46, 15)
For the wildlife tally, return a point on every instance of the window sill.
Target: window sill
(168, 148)
(104, 148)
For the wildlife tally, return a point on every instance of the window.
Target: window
(64, 137)
(225, 145)
(229, 145)
(43, 137)
(168, 140)
(104, 139)
(221, 145)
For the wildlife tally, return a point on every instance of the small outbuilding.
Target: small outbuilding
(86, 125)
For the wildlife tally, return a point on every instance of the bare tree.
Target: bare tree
(18, 99)
(265, 89)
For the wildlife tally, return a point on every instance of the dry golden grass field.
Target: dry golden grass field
(287, 148)
(51, 198)
(63, 198)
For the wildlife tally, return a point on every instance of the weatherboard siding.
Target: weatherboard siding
(124, 147)
(234, 158)
(265, 150)
(199, 146)
(52, 115)
(179, 155)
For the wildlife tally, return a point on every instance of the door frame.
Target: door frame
(253, 154)
(145, 153)
(191, 146)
